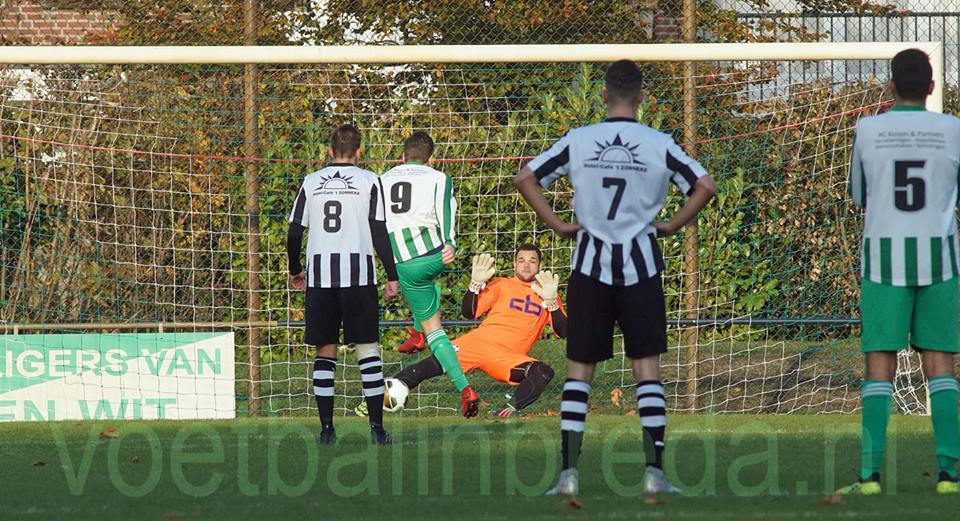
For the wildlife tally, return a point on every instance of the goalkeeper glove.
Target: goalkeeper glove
(546, 287)
(482, 271)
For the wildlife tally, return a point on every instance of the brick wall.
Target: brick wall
(30, 23)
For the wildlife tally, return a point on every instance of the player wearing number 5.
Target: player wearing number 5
(903, 172)
(620, 171)
(420, 219)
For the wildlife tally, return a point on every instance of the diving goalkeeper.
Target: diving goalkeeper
(517, 308)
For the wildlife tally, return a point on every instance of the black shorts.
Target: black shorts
(593, 308)
(356, 309)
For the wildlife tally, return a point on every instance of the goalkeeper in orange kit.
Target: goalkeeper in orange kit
(518, 309)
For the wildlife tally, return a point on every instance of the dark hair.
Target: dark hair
(418, 147)
(911, 73)
(527, 246)
(623, 81)
(345, 141)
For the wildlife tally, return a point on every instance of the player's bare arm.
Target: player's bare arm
(703, 191)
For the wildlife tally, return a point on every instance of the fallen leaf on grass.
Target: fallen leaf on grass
(39, 463)
(112, 432)
(135, 459)
(653, 501)
(615, 396)
(573, 503)
(835, 499)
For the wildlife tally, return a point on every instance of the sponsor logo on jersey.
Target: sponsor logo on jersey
(527, 306)
(616, 155)
(336, 184)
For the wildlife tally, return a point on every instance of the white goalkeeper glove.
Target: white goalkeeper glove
(482, 271)
(546, 287)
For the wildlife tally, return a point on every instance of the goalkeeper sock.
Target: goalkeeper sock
(573, 416)
(371, 375)
(652, 409)
(447, 356)
(876, 413)
(323, 371)
(946, 424)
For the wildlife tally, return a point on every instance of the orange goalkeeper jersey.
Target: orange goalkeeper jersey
(515, 320)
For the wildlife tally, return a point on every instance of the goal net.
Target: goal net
(123, 201)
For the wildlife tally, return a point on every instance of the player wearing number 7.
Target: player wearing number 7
(903, 171)
(420, 220)
(620, 171)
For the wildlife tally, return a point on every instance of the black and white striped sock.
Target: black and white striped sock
(323, 371)
(652, 409)
(371, 375)
(573, 416)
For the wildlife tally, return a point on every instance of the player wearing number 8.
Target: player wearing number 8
(903, 171)
(420, 213)
(620, 171)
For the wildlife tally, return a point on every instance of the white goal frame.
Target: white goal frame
(676, 52)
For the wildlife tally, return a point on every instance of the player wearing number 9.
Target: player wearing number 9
(620, 171)
(421, 211)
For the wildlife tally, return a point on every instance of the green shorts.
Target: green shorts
(894, 317)
(418, 282)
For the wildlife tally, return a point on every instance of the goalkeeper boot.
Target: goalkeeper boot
(327, 436)
(567, 485)
(361, 410)
(470, 402)
(655, 482)
(864, 487)
(947, 484)
(380, 436)
(509, 411)
(415, 342)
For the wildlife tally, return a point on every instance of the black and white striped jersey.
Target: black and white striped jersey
(620, 171)
(337, 204)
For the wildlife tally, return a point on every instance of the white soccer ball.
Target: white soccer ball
(395, 396)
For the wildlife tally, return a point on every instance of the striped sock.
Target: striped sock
(876, 413)
(323, 371)
(946, 424)
(573, 416)
(652, 409)
(371, 375)
(444, 352)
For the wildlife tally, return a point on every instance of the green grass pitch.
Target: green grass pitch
(734, 466)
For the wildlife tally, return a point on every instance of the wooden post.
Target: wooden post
(691, 254)
(250, 149)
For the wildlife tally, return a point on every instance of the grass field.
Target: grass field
(733, 467)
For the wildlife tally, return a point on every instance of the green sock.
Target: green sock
(876, 413)
(946, 423)
(447, 356)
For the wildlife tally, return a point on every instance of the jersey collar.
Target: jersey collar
(418, 163)
(613, 120)
(908, 108)
(341, 164)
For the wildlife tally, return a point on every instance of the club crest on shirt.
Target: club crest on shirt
(616, 155)
(336, 184)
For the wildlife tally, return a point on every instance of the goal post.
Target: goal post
(123, 195)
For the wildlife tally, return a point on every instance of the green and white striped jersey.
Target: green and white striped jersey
(421, 210)
(904, 171)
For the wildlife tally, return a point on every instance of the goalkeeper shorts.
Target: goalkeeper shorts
(418, 282)
(894, 317)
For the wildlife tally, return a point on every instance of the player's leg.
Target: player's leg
(361, 311)
(417, 281)
(322, 314)
(885, 314)
(589, 341)
(934, 332)
(641, 314)
(414, 374)
(531, 378)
